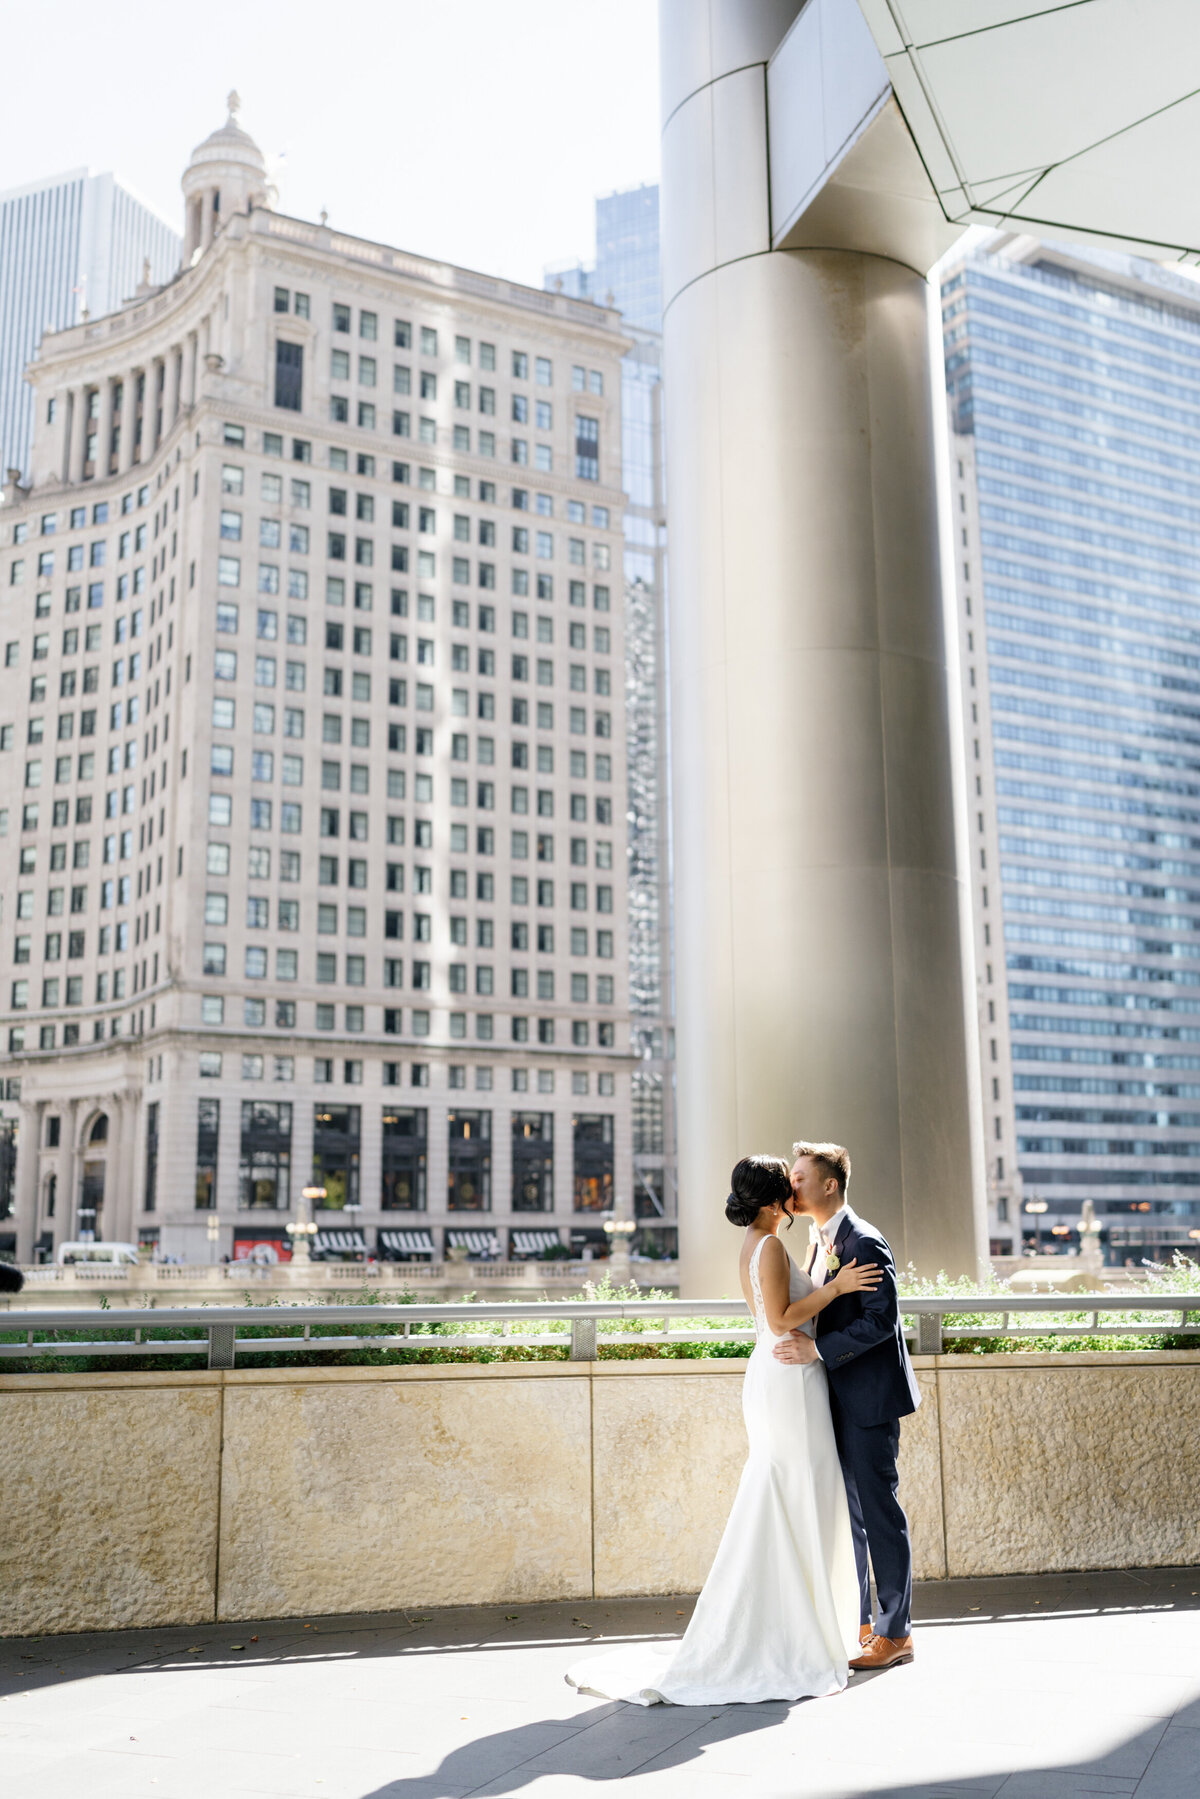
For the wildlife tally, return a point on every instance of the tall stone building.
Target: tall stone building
(312, 745)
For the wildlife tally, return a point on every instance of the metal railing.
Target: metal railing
(422, 1326)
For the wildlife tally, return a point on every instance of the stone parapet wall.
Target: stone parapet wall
(150, 1499)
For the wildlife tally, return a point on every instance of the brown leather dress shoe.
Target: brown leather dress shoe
(865, 1633)
(883, 1652)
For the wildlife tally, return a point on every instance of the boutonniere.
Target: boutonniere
(832, 1262)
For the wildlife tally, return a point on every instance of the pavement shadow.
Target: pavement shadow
(608, 1742)
(620, 1742)
(1160, 1762)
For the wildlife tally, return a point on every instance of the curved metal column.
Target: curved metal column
(822, 960)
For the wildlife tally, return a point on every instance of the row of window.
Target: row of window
(334, 686)
(220, 812)
(282, 1069)
(359, 640)
(328, 873)
(484, 797)
(582, 380)
(367, 375)
(77, 517)
(264, 1175)
(233, 483)
(269, 580)
(270, 533)
(417, 1022)
(287, 913)
(335, 640)
(354, 973)
(263, 716)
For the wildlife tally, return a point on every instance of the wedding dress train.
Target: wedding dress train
(778, 1617)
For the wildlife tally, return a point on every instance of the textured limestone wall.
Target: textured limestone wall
(352, 1495)
(921, 1480)
(108, 1504)
(1069, 1466)
(668, 1452)
(367, 1489)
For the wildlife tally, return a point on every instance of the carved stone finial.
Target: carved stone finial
(233, 101)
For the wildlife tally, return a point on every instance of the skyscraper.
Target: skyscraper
(626, 274)
(312, 741)
(71, 247)
(627, 256)
(626, 261)
(1074, 383)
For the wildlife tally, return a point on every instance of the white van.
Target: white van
(98, 1255)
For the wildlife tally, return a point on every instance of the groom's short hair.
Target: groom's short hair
(834, 1161)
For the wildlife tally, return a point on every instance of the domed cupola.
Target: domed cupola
(227, 174)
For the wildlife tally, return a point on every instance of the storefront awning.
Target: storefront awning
(532, 1243)
(476, 1243)
(407, 1243)
(345, 1241)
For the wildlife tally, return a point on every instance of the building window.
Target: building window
(469, 1180)
(335, 1155)
(264, 1168)
(587, 448)
(405, 1133)
(208, 1135)
(289, 375)
(532, 1162)
(150, 1194)
(593, 1134)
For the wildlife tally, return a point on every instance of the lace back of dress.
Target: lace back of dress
(760, 1310)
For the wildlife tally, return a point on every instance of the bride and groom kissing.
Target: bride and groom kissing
(786, 1610)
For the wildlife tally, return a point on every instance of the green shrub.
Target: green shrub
(435, 1343)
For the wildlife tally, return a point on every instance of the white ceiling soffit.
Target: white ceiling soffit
(1077, 118)
(844, 170)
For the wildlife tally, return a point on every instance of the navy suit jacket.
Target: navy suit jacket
(859, 1337)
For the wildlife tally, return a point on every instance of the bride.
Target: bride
(779, 1614)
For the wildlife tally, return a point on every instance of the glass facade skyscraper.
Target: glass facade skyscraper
(627, 257)
(72, 245)
(1074, 390)
(627, 268)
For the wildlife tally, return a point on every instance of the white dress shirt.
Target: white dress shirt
(826, 1235)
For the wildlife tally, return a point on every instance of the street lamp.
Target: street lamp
(303, 1230)
(352, 1208)
(214, 1233)
(619, 1226)
(1037, 1207)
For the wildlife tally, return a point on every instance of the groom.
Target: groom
(871, 1387)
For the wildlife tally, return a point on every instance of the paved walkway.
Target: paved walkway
(1048, 1688)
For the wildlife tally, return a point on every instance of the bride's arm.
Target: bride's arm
(782, 1316)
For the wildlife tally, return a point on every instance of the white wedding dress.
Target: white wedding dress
(778, 1617)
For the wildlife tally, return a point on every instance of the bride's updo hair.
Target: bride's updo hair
(757, 1181)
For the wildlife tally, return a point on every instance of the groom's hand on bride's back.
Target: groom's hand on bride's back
(797, 1346)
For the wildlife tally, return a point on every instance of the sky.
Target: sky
(478, 131)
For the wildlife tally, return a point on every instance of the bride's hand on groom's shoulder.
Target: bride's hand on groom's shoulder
(853, 1278)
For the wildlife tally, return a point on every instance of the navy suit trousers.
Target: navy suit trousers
(868, 1457)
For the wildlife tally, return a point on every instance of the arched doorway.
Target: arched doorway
(91, 1185)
